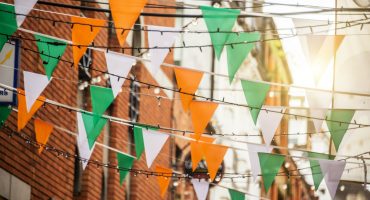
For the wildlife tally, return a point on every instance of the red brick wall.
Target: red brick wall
(51, 176)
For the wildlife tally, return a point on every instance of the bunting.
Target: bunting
(318, 102)
(23, 7)
(214, 155)
(196, 150)
(101, 98)
(237, 53)
(236, 195)
(23, 115)
(84, 148)
(219, 21)
(118, 65)
(332, 170)
(163, 181)
(124, 14)
(269, 121)
(8, 23)
(201, 188)
(92, 128)
(34, 84)
(157, 40)
(315, 167)
(4, 114)
(125, 163)
(51, 50)
(338, 122)
(188, 82)
(253, 150)
(270, 165)
(43, 131)
(201, 114)
(153, 143)
(139, 141)
(255, 94)
(84, 31)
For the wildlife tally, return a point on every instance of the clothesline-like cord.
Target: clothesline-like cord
(133, 124)
(29, 140)
(194, 95)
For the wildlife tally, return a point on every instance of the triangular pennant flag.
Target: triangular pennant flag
(270, 165)
(197, 151)
(318, 101)
(238, 52)
(22, 8)
(101, 98)
(93, 129)
(214, 155)
(157, 40)
(333, 171)
(338, 122)
(187, 81)
(139, 140)
(8, 23)
(4, 114)
(236, 195)
(255, 94)
(315, 167)
(82, 141)
(23, 115)
(253, 150)
(219, 21)
(51, 50)
(153, 142)
(163, 178)
(43, 131)
(125, 14)
(84, 31)
(34, 84)
(119, 65)
(201, 188)
(269, 121)
(201, 114)
(125, 163)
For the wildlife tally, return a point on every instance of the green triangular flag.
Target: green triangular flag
(139, 141)
(337, 129)
(315, 167)
(236, 195)
(255, 94)
(238, 52)
(50, 49)
(101, 98)
(270, 165)
(4, 114)
(8, 23)
(92, 129)
(222, 20)
(124, 163)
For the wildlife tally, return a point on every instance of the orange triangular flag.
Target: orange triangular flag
(84, 31)
(164, 177)
(125, 14)
(196, 149)
(23, 115)
(214, 155)
(201, 113)
(188, 81)
(43, 131)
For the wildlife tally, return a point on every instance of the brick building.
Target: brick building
(25, 174)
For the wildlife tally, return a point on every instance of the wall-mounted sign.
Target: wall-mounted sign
(9, 73)
(201, 172)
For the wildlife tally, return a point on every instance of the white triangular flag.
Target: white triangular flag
(253, 150)
(82, 141)
(34, 84)
(201, 188)
(153, 143)
(269, 121)
(332, 171)
(158, 39)
(22, 8)
(120, 65)
(317, 100)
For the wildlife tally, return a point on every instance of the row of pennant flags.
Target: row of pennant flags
(149, 139)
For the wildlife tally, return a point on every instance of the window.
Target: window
(12, 187)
